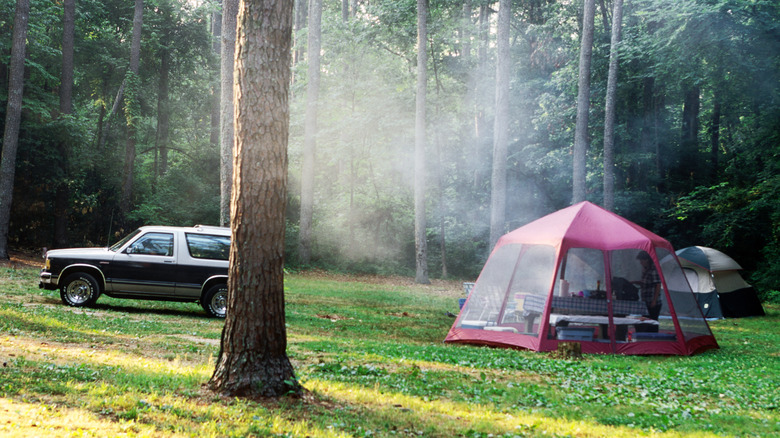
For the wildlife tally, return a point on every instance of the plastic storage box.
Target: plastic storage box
(574, 333)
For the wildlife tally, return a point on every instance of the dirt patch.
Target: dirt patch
(20, 260)
(332, 317)
(199, 340)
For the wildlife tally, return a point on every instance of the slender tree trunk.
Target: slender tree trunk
(216, 95)
(467, 130)
(465, 32)
(114, 108)
(501, 125)
(301, 14)
(310, 132)
(66, 78)
(163, 110)
(13, 118)
(227, 130)
(253, 361)
(132, 107)
(420, 235)
(641, 170)
(481, 150)
(62, 194)
(715, 137)
(604, 15)
(687, 168)
(583, 104)
(609, 113)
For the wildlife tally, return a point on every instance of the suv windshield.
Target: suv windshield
(115, 247)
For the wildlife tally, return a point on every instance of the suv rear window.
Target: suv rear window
(208, 246)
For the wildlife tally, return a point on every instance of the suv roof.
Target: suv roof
(225, 231)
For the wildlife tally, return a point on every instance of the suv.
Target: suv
(152, 263)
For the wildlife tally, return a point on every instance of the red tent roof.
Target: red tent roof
(586, 225)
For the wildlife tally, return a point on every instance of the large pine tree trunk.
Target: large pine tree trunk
(420, 235)
(609, 112)
(310, 132)
(583, 104)
(13, 117)
(501, 125)
(253, 361)
(227, 119)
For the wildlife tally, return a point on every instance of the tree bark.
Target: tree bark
(500, 125)
(62, 194)
(583, 104)
(420, 235)
(131, 105)
(252, 360)
(310, 132)
(227, 119)
(13, 118)
(609, 112)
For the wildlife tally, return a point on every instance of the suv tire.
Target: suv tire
(79, 290)
(215, 300)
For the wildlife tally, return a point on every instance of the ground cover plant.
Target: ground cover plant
(369, 352)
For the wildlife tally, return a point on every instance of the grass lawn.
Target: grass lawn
(371, 358)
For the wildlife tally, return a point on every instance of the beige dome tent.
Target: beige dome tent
(720, 289)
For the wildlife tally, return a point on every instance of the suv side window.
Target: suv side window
(208, 246)
(159, 244)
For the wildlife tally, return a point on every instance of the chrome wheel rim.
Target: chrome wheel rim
(219, 302)
(78, 291)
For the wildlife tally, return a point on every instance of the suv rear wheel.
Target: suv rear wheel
(215, 300)
(79, 290)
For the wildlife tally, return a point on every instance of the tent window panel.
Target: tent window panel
(534, 270)
(491, 288)
(531, 277)
(581, 274)
(689, 314)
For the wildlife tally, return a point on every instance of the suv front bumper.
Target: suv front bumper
(48, 281)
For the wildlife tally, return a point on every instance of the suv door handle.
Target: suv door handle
(168, 261)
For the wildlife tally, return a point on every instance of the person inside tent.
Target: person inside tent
(650, 285)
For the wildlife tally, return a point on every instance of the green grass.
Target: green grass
(371, 358)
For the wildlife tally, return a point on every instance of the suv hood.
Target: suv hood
(79, 252)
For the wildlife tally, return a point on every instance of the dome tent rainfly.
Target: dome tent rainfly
(568, 277)
(719, 288)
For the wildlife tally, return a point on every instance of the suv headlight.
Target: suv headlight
(47, 264)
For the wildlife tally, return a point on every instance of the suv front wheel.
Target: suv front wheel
(79, 290)
(215, 300)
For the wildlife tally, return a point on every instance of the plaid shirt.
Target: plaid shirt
(650, 278)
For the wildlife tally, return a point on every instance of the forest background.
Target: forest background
(697, 138)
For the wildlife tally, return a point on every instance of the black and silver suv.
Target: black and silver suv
(151, 263)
